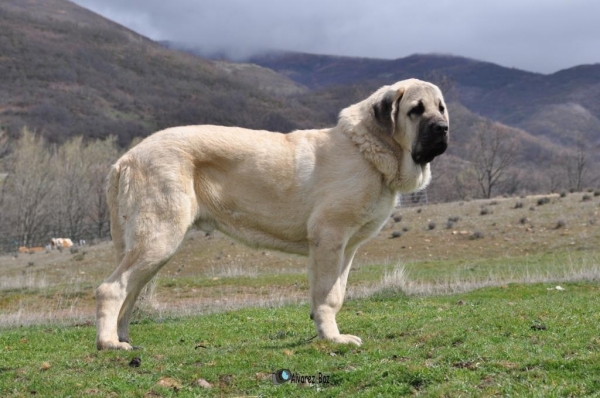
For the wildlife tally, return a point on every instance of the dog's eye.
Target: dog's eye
(417, 110)
(442, 109)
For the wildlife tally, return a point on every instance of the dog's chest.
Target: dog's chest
(375, 217)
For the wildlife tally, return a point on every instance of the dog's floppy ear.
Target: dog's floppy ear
(385, 111)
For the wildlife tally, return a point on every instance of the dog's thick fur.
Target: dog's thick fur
(319, 193)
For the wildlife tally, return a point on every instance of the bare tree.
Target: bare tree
(3, 207)
(555, 177)
(493, 152)
(29, 182)
(576, 165)
(3, 144)
(101, 154)
(3, 179)
(71, 187)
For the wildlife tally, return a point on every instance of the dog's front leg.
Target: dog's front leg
(326, 263)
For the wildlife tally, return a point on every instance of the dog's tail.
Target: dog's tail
(112, 199)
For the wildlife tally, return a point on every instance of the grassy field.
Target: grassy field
(467, 307)
(515, 340)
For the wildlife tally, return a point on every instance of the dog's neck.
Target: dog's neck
(399, 171)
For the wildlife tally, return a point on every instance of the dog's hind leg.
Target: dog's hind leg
(110, 296)
(145, 269)
(116, 296)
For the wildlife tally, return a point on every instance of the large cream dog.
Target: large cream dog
(319, 193)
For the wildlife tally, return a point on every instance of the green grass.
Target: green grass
(516, 340)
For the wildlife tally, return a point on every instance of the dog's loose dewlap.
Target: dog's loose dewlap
(320, 193)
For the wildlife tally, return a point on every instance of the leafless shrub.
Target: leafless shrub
(431, 225)
(454, 219)
(523, 220)
(397, 218)
(543, 201)
(563, 194)
(396, 234)
(450, 224)
(484, 211)
(493, 150)
(560, 224)
(518, 205)
(586, 198)
(476, 235)
(405, 229)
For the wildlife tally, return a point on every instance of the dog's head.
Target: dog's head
(414, 113)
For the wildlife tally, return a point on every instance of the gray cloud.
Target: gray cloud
(537, 35)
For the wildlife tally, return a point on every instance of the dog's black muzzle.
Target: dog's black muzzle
(433, 141)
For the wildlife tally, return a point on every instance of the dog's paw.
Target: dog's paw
(346, 339)
(114, 346)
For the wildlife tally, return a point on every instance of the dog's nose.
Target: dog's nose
(440, 128)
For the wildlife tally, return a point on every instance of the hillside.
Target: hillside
(259, 77)
(66, 71)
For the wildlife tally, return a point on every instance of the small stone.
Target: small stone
(203, 383)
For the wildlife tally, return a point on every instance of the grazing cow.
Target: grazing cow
(61, 242)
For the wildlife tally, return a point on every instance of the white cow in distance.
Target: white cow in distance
(61, 243)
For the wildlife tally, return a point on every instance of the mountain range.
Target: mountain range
(66, 71)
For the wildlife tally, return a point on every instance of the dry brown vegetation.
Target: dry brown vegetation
(54, 191)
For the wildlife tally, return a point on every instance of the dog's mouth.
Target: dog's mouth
(426, 156)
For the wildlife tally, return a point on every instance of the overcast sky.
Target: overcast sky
(535, 35)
